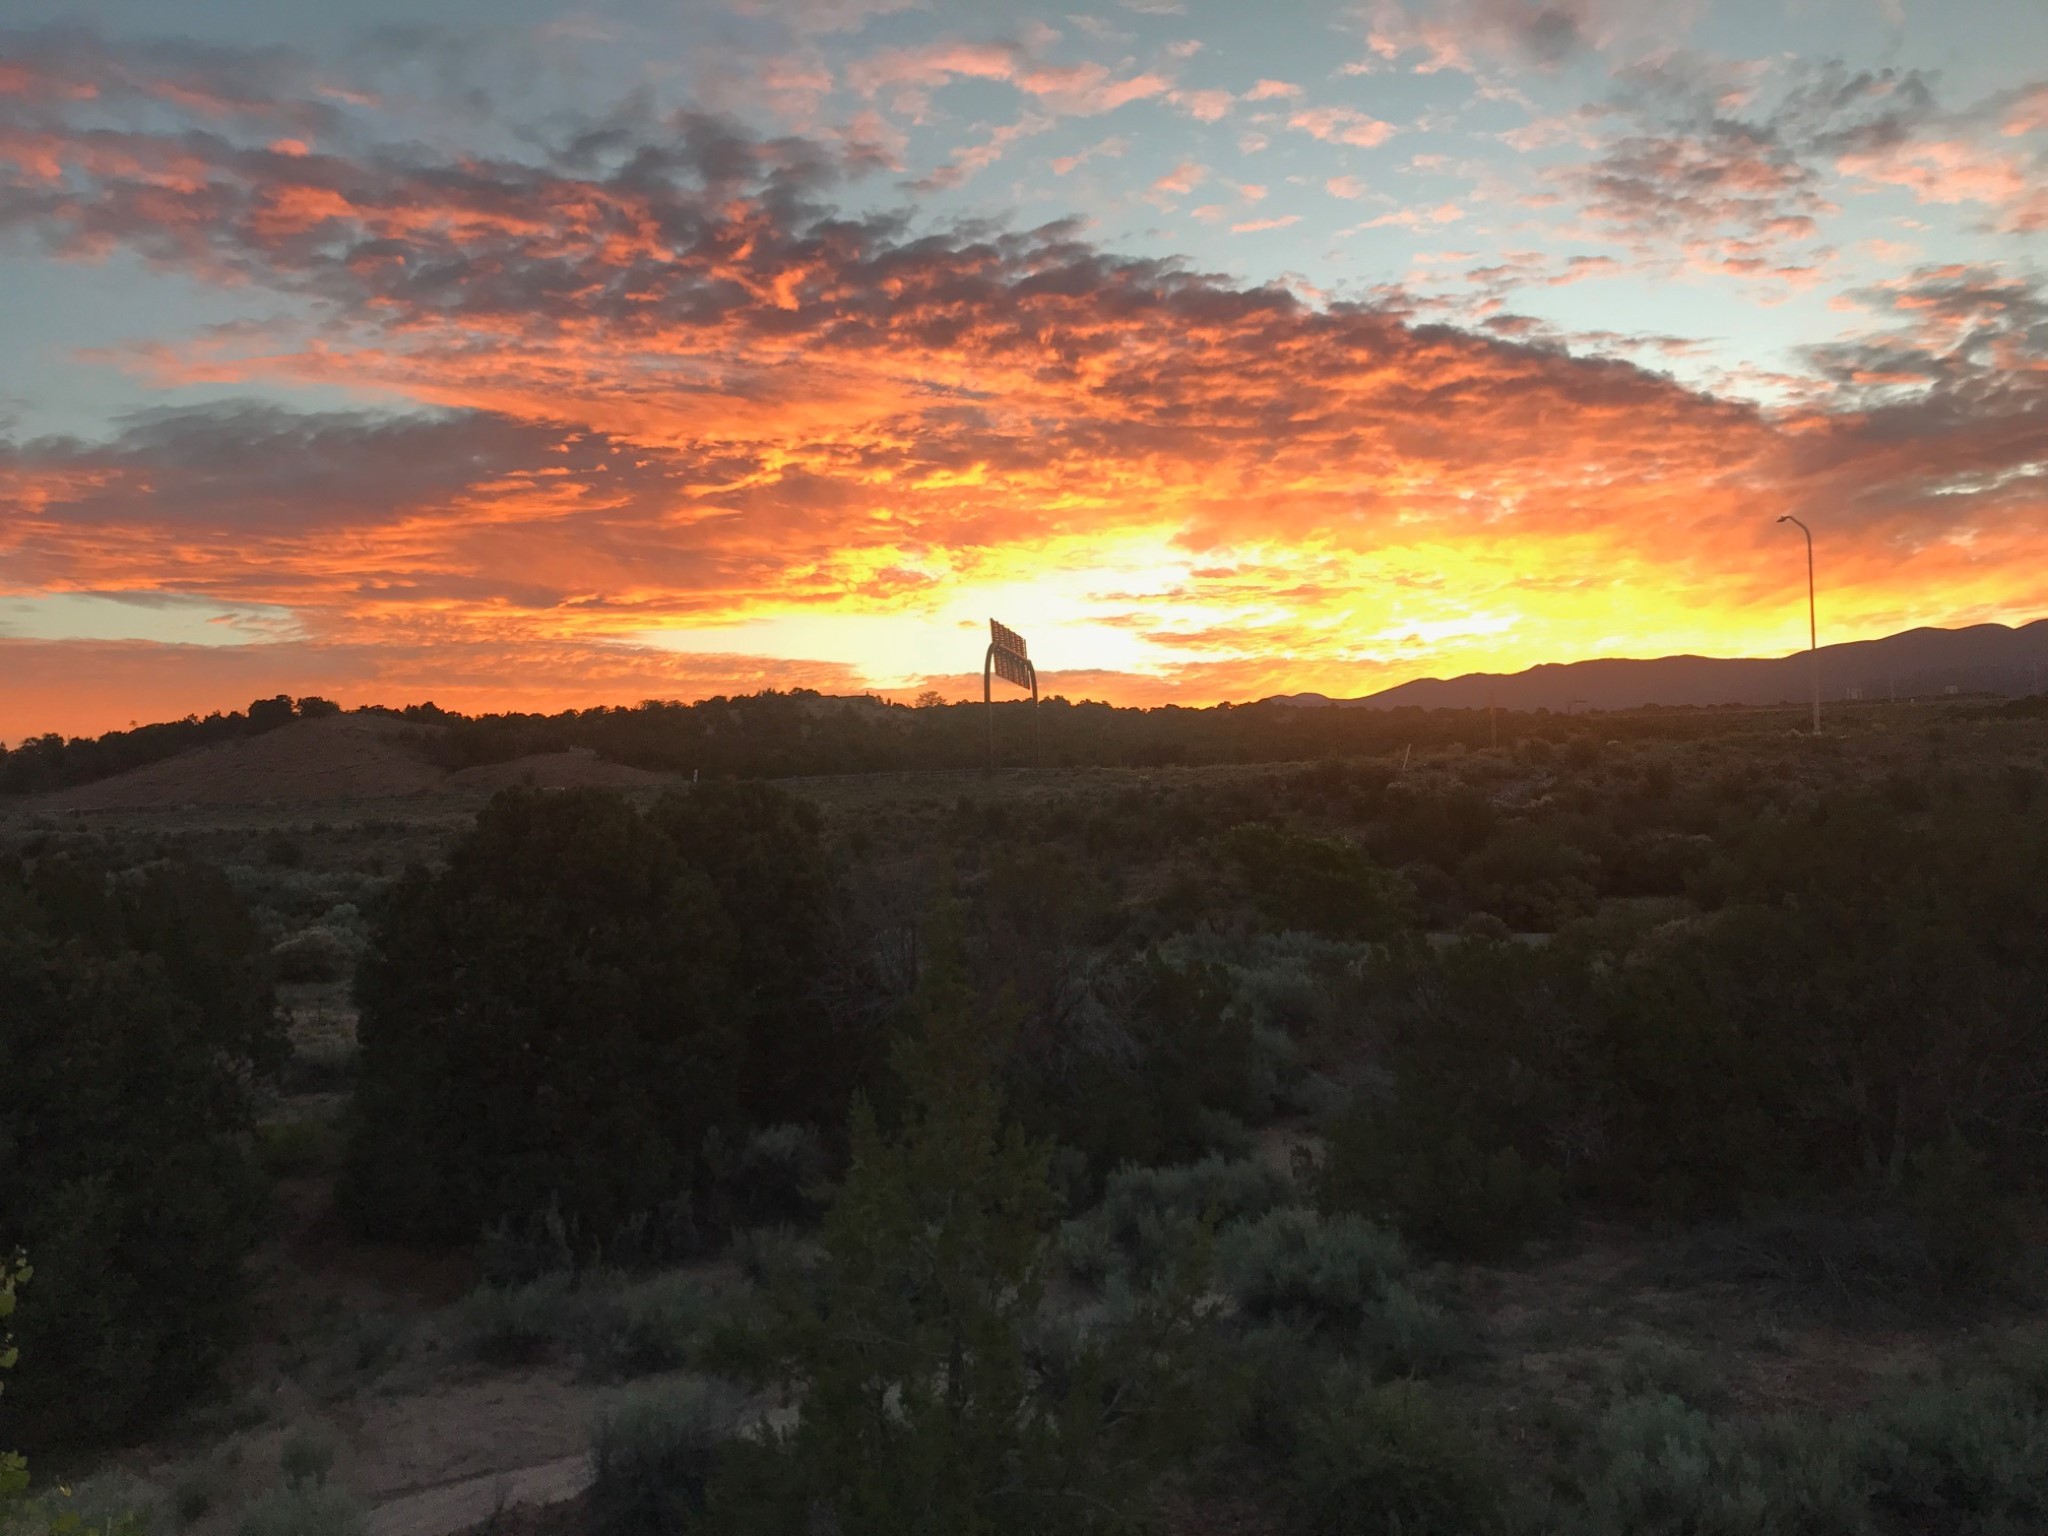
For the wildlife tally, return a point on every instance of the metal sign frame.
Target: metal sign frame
(1009, 658)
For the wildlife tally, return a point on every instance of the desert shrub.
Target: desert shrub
(1430, 1180)
(1440, 826)
(1530, 877)
(1142, 1221)
(1372, 1458)
(539, 1244)
(130, 1032)
(304, 1509)
(1863, 1261)
(306, 1457)
(315, 954)
(653, 1455)
(1971, 1455)
(1658, 1466)
(643, 1328)
(1318, 884)
(1145, 1060)
(1647, 1366)
(514, 1325)
(1277, 1072)
(366, 1342)
(1282, 1370)
(1341, 1279)
(1322, 1272)
(1855, 1016)
(105, 1504)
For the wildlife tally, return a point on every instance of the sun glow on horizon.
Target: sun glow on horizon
(1231, 389)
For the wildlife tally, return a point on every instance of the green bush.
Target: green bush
(1863, 1260)
(645, 1328)
(1371, 1459)
(653, 1457)
(1647, 1366)
(516, 1250)
(1661, 1468)
(1143, 1219)
(105, 1504)
(303, 1509)
(315, 954)
(1430, 1180)
(1158, 1067)
(1319, 884)
(1966, 1456)
(1321, 1272)
(515, 1325)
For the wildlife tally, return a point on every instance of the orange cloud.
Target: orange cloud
(652, 384)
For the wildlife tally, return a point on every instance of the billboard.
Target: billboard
(1011, 667)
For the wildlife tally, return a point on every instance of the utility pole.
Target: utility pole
(1812, 622)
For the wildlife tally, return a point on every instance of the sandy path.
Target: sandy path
(463, 1506)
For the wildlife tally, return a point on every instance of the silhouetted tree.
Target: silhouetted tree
(131, 1024)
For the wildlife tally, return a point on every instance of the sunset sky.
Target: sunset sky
(518, 355)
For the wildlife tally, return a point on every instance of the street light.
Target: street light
(1812, 624)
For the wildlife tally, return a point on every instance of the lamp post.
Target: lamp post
(1812, 624)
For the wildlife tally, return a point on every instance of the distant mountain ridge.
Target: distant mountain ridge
(1918, 663)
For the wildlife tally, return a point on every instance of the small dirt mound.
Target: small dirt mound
(340, 757)
(577, 768)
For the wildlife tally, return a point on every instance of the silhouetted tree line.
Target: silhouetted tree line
(786, 735)
(51, 762)
(802, 733)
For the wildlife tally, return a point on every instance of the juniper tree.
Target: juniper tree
(930, 1400)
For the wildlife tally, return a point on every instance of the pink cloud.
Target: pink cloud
(1088, 90)
(1958, 170)
(1272, 90)
(1182, 179)
(1342, 125)
(1417, 218)
(1253, 226)
(1109, 148)
(1203, 106)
